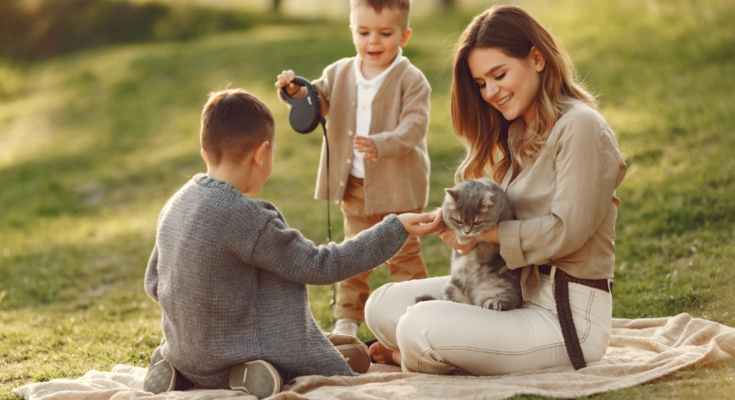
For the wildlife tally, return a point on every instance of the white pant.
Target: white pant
(439, 337)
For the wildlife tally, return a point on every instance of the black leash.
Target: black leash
(333, 302)
(305, 115)
(329, 219)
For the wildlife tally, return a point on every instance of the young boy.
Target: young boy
(230, 276)
(378, 106)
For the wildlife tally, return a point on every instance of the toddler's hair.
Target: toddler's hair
(234, 122)
(403, 7)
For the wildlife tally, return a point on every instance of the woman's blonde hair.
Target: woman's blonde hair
(482, 128)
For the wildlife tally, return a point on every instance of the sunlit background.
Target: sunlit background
(99, 120)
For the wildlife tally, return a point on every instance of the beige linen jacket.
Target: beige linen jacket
(399, 179)
(564, 200)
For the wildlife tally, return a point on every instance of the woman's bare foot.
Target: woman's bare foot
(397, 357)
(379, 352)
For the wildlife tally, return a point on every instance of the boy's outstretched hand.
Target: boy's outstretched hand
(420, 224)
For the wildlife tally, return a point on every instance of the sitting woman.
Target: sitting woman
(535, 131)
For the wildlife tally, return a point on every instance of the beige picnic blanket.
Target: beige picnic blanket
(640, 350)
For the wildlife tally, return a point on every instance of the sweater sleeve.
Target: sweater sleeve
(414, 121)
(287, 253)
(151, 275)
(587, 169)
(323, 85)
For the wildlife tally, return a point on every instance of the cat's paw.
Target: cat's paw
(492, 304)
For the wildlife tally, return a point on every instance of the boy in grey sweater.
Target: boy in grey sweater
(230, 275)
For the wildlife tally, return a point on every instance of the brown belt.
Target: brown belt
(564, 310)
(593, 283)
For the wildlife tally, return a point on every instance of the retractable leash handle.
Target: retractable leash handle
(304, 117)
(306, 113)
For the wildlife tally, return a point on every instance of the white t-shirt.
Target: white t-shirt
(366, 90)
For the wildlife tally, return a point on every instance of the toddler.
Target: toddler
(378, 106)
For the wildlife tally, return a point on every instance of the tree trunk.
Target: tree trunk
(449, 3)
(277, 5)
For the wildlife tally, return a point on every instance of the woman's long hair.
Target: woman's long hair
(481, 127)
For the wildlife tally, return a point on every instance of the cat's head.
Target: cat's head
(472, 207)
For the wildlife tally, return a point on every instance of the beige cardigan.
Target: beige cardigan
(399, 179)
(564, 200)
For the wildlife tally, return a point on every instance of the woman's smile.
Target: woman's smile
(502, 102)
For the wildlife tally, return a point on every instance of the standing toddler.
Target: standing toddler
(378, 106)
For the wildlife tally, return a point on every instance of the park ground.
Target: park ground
(93, 142)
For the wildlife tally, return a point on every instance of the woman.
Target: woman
(527, 123)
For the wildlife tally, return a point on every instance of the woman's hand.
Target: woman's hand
(491, 235)
(419, 224)
(449, 236)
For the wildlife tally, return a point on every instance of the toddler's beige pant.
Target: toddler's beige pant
(406, 265)
(439, 337)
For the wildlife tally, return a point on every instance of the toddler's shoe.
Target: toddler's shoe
(347, 326)
(161, 376)
(258, 378)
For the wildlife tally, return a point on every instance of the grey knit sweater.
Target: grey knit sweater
(230, 277)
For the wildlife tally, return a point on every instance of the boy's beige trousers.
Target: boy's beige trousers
(439, 337)
(406, 265)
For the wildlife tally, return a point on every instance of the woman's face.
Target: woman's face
(508, 84)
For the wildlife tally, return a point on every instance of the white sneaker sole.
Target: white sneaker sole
(346, 328)
(258, 378)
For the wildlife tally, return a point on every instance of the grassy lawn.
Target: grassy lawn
(93, 144)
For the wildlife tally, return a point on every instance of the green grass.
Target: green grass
(93, 144)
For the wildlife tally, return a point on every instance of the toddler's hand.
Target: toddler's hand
(419, 224)
(367, 146)
(285, 79)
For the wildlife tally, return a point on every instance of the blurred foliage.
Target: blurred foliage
(46, 28)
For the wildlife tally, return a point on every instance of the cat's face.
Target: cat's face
(470, 209)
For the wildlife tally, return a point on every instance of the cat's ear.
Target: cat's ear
(487, 202)
(451, 198)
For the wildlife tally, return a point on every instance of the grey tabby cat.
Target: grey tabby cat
(479, 277)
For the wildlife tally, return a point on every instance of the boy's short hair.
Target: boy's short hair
(234, 122)
(403, 7)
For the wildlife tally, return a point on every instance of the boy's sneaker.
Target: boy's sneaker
(347, 326)
(258, 378)
(161, 376)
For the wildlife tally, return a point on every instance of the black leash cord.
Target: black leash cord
(329, 221)
(304, 116)
(333, 302)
